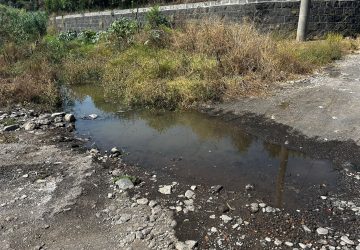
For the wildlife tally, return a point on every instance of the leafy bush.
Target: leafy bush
(87, 36)
(123, 30)
(68, 35)
(20, 26)
(155, 19)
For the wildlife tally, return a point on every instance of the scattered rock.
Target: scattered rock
(11, 127)
(254, 207)
(70, 118)
(322, 231)
(30, 126)
(93, 116)
(277, 242)
(166, 189)
(124, 184)
(289, 244)
(216, 189)
(226, 218)
(142, 201)
(189, 194)
(111, 195)
(193, 187)
(152, 203)
(306, 229)
(58, 114)
(115, 152)
(249, 187)
(347, 240)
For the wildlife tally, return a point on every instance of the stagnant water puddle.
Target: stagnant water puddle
(199, 148)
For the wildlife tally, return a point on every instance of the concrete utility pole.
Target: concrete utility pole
(303, 20)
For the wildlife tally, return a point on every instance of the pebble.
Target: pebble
(212, 216)
(216, 189)
(124, 184)
(213, 229)
(268, 239)
(347, 240)
(142, 201)
(152, 203)
(249, 187)
(110, 195)
(306, 229)
(254, 207)
(289, 244)
(93, 116)
(269, 209)
(322, 231)
(189, 194)
(167, 189)
(53, 115)
(277, 242)
(193, 187)
(69, 118)
(11, 127)
(235, 226)
(225, 218)
(302, 245)
(29, 126)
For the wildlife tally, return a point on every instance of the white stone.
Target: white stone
(142, 201)
(110, 195)
(189, 194)
(289, 244)
(277, 242)
(69, 118)
(302, 245)
(124, 183)
(268, 239)
(322, 231)
(254, 207)
(235, 226)
(193, 187)
(165, 189)
(225, 218)
(213, 229)
(212, 216)
(347, 240)
(93, 116)
(306, 229)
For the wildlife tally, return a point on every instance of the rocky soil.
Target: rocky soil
(57, 194)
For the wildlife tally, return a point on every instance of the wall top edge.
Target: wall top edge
(182, 7)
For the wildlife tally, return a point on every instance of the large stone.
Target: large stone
(189, 194)
(124, 184)
(70, 118)
(254, 207)
(11, 127)
(322, 231)
(347, 240)
(166, 189)
(30, 126)
(225, 218)
(58, 114)
(142, 201)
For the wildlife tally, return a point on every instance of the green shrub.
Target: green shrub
(123, 30)
(68, 35)
(155, 19)
(20, 26)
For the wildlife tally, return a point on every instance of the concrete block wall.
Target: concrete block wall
(342, 16)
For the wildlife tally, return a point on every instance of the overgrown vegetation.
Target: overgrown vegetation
(157, 65)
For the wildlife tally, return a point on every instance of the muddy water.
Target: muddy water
(197, 149)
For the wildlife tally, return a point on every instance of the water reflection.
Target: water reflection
(210, 149)
(280, 183)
